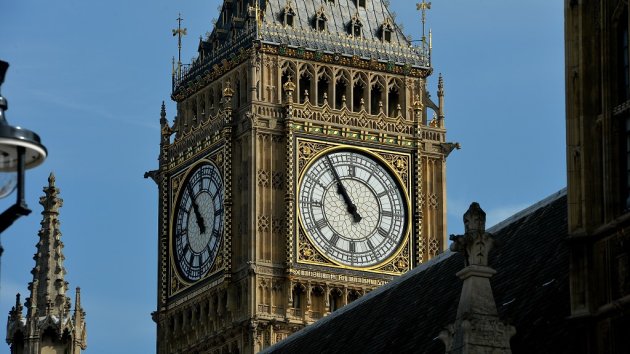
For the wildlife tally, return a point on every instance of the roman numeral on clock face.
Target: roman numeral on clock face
(198, 222)
(352, 207)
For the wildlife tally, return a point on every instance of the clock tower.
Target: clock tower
(305, 167)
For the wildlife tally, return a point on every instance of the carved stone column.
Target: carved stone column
(477, 328)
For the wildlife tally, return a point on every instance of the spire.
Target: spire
(163, 114)
(165, 130)
(48, 307)
(48, 288)
(16, 311)
(440, 101)
(79, 321)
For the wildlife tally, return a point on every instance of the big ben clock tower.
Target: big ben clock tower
(305, 167)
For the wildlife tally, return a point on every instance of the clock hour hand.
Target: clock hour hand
(198, 216)
(352, 209)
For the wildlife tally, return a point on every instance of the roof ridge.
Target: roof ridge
(392, 284)
(528, 210)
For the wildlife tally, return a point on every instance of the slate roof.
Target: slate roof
(231, 33)
(530, 289)
(336, 38)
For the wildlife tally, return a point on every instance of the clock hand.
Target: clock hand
(198, 216)
(352, 209)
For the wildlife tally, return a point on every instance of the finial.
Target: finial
(77, 299)
(51, 179)
(17, 309)
(289, 87)
(179, 32)
(475, 243)
(423, 7)
(475, 219)
(227, 90)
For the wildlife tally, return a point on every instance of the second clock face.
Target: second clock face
(352, 208)
(198, 224)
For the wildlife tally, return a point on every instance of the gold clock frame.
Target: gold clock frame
(400, 259)
(177, 283)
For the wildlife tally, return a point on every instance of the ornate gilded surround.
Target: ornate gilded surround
(397, 162)
(177, 283)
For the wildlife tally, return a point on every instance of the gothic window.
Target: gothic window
(376, 99)
(305, 87)
(317, 302)
(353, 295)
(341, 88)
(298, 299)
(334, 300)
(393, 99)
(239, 7)
(193, 106)
(340, 93)
(320, 20)
(322, 89)
(386, 31)
(360, 3)
(356, 27)
(289, 15)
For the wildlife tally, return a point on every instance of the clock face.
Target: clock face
(198, 223)
(352, 208)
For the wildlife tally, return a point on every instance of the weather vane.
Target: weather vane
(423, 6)
(179, 32)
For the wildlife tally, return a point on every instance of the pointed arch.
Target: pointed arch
(306, 83)
(360, 90)
(342, 87)
(324, 84)
(378, 89)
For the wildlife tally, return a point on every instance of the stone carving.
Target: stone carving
(263, 178)
(476, 242)
(263, 223)
(277, 180)
(477, 328)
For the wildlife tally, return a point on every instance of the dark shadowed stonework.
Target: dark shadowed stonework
(530, 288)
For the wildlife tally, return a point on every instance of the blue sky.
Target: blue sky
(89, 77)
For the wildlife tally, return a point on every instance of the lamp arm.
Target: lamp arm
(8, 217)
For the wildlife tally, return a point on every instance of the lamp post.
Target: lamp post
(20, 149)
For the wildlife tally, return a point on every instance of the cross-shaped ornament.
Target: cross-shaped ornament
(179, 32)
(423, 6)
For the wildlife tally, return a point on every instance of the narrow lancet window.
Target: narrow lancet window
(289, 15)
(356, 27)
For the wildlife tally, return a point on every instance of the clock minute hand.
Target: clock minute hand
(198, 216)
(352, 209)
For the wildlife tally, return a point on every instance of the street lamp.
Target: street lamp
(20, 149)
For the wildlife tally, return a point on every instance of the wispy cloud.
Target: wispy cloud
(88, 111)
(496, 215)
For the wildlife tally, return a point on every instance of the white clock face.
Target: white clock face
(352, 208)
(198, 224)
